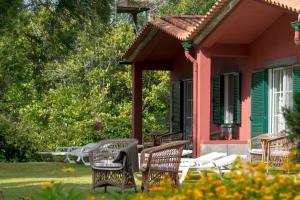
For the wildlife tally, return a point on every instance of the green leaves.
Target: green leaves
(292, 117)
(186, 7)
(60, 73)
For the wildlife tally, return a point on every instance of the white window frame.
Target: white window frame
(271, 95)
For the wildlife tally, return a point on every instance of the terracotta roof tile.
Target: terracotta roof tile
(179, 27)
(292, 5)
(186, 27)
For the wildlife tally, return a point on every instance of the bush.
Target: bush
(292, 117)
(245, 181)
(55, 191)
(15, 144)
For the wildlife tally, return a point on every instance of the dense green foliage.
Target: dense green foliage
(59, 75)
(292, 117)
(186, 7)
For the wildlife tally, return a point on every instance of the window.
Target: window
(280, 96)
(272, 90)
(226, 99)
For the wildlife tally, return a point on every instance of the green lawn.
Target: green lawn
(18, 180)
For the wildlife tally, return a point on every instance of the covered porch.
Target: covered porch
(160, 48)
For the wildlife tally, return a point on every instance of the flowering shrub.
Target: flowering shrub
(292, 166)
(244, 181)
(54, 191)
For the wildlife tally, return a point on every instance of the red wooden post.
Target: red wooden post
(137, 84)
(204, 99)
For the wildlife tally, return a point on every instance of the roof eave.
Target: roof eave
(132, 55)
(204, 30)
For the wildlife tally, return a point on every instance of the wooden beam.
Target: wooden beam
(137, 102)
(228, 50)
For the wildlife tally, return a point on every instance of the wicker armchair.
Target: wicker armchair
(256, 149)
(278, 151)
(166, 137)
(104, 171)
(158, 162)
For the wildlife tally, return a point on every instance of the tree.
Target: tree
(185, 7)
(60, 73)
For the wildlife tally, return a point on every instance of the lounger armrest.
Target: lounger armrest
(66, 148)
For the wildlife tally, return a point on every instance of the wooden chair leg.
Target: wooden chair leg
(123, 180)
(93, 180)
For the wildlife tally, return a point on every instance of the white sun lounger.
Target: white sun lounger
(59, 151)
(81, 152)
(220, 164)
(187, 163)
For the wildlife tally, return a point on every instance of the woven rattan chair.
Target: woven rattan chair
(256, 149)
(278, 151)
(104, 171)
(167, 137)
(158, 162)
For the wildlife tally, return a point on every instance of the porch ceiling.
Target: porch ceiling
(161, 47)
(247, 21)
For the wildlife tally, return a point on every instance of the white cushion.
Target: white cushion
(106, 164)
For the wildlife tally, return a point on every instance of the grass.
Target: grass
(24, 180)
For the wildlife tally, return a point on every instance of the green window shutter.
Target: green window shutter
(216, 100)
(177, 107)
(296, 79)
(259, 103)
(237, 99)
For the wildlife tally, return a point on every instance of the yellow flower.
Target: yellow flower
(91, 198)
(189, 175)
(68, 169)
(48, 184)
(281, 180)
(197, 194)
(177, 197)
(283, 196)
(267, 198)
(297, 182)
(261, 166)
(297, 197)
(237, 196)
(217, 183)
(139, 196)
(266, 190)
(220, 189)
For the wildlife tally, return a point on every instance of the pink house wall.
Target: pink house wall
(276, 42)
